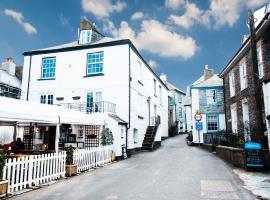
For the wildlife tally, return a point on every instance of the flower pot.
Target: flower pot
(3, 188)
(113, 157)
(71, 170)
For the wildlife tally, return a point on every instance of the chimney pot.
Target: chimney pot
(208, 73)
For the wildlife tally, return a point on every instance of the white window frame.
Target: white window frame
(234, 120)
(243, 75)
(232, 83)
(245, 115)
(135, 136)
(260, 62)
(210, 119)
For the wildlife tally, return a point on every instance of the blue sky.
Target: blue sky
(177, 37)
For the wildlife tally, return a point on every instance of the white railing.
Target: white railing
(34, 170)
(92, 157)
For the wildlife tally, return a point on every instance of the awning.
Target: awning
(13, 110)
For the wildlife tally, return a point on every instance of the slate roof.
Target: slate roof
(118, 119)
(215, 80)
(76, 44)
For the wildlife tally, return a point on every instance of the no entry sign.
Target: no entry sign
(198, 117)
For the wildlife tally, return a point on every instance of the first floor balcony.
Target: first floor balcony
(92, 107)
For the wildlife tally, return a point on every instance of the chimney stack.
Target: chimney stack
(9, 66)
(208, 73)
(163, 77)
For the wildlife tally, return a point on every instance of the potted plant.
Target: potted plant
(3, 183)
(189, 139)
(71, 169)
(107, 139)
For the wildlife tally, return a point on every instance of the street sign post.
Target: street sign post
(198, 124)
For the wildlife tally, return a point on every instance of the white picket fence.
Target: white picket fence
(34, 170)
(92, 157)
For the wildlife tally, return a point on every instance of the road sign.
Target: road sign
(199, 126)
(198, 117)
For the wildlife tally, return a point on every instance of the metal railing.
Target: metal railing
(155, 121)
(93, 107)
(236, 140)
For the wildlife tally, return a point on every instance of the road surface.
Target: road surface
(173, 172)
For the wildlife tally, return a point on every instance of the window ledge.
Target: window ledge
(45, 79)
(140, 117)
(92, 75)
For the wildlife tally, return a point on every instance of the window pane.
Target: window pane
(212, 123)
(95, 63)
(48, 67)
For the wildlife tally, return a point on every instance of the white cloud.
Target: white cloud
(102, 8)
(17, 16)
(174, 4)
(153, 64)
(192, 14)
(255, 3)
(220, 13)
(137, 15)
(156, 38)
(225, 12)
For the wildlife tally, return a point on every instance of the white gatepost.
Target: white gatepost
(57, 137)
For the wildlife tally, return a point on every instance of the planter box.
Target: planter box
(71, 170)
(3, 188)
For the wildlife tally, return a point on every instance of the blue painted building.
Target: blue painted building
(207, 100)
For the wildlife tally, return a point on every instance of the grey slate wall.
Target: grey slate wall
(218, 107)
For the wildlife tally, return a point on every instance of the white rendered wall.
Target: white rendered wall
(70, 81)
(142, 87)
(195, 106)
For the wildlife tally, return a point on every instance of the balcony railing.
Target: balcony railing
(93, 107)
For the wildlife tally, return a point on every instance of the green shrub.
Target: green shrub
(69, 155)
(2, 163)
(106, 137)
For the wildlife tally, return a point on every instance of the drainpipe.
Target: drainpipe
(224, 102)
(149, 107)
(29, 76)
(253, 48)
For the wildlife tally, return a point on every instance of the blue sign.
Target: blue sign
(253, 154)
(199, 126)
(253, 145)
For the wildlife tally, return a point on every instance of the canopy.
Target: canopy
(13, 110)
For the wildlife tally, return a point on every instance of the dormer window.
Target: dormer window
(85, 37)
(88, 33)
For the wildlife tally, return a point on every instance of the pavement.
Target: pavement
(257, 182)
(173, 172)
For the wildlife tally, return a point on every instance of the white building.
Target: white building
(207, 99)
(187, 105)
(177, 114)
(100, 76)
(10, 84)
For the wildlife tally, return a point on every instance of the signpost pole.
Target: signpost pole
(199, 137)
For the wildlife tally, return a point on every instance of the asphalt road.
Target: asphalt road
(174, 172)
